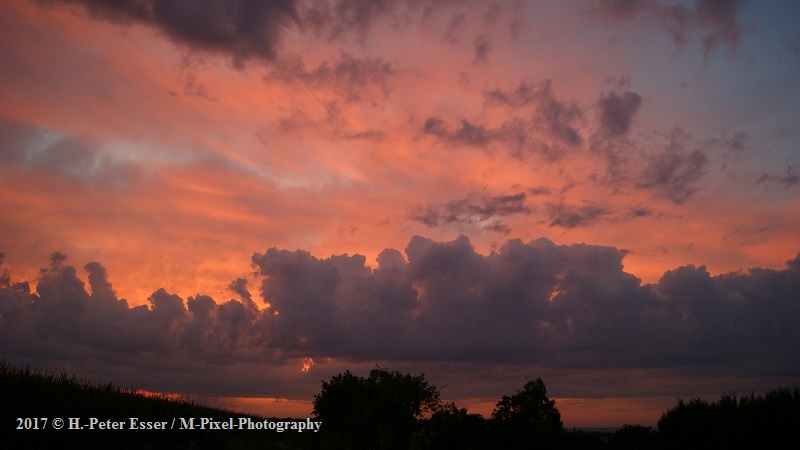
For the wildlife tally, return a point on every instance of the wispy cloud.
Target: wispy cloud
(472, 210)
(716, 20)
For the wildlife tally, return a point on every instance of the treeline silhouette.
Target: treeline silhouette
(392, 410)
(771, 421)
(389, 410)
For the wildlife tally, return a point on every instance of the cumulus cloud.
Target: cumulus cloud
(304, 316)
(558, 306)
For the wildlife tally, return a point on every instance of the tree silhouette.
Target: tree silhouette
(451, 427)
(530, 408)
(379, 411)
(771, 421)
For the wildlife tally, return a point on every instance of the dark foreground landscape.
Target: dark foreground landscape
(385, 410)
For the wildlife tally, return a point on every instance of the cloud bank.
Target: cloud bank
(557, 306)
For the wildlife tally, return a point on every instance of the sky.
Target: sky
(235, 200)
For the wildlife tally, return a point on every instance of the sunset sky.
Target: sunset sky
(237, 199)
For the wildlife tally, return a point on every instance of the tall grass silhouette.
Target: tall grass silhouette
(35, 394)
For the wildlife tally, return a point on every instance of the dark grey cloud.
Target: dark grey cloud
(542, 124)
(540, 190)
(674, 172)
(572, 216)
(247, 30)
(471, 134)
(524, 94)
(239, 287)
(559, 118)
(639, 211)
(5, 276)
(498, 227)
(252, 30)
(472, 210)
(241, 29)
(466, 133)
(617, 111)
(436, 127)
(304, 316)
(527, 303)
(63, 309)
